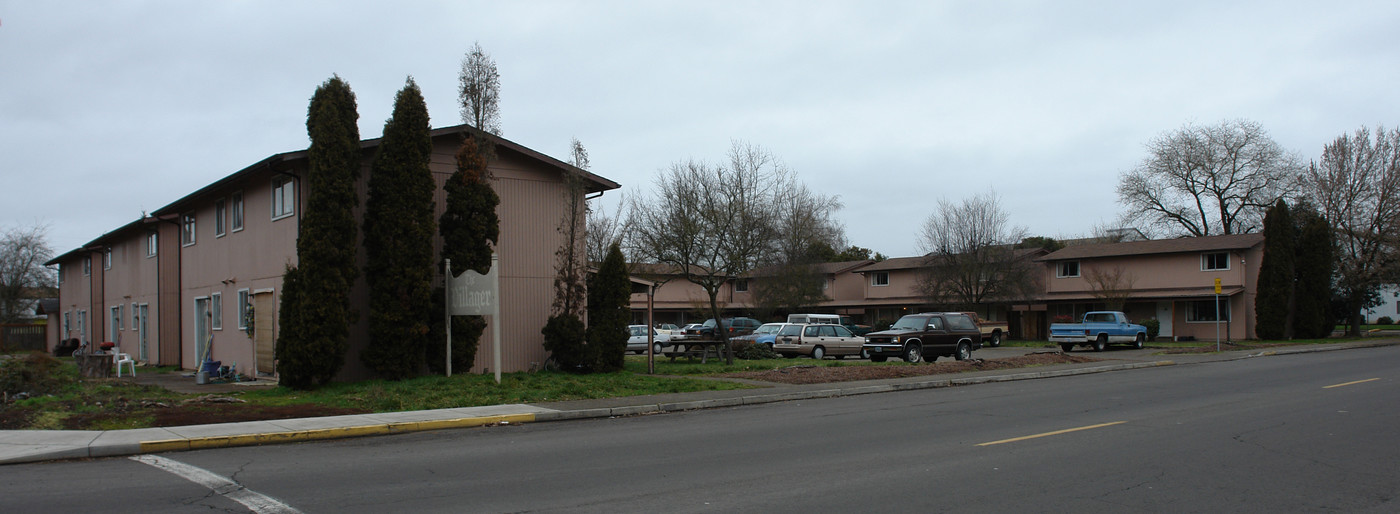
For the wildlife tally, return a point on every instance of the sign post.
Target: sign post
(1217, 315)
(475, 294)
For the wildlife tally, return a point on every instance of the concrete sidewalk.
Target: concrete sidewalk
(18, 446)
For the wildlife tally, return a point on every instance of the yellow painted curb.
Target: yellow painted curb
(197, 443)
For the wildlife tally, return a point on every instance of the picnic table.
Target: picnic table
(689, 348)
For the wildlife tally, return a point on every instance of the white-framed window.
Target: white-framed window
(82, 325)
(152, 246)
(880, 278)
(135, 316)
(87, 266)
(284, 197)
(236, 210)
(1066, 269)
(107, 258)
(243, 309)
(67, 323)
(1215, 261)
(741, 285)
(187, 230)
(216, 309)
(1203, 311)
(220, 218)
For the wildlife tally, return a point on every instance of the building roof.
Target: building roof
(1157, 246)
(822, 268)
(899, 263)
(284, 162)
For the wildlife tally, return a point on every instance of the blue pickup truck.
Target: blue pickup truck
(1098, 330)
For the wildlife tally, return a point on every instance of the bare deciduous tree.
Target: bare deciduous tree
(1112, 286)
(971, 258)
(569, 266)
(479, 90)
(23, 252)
(1208, 180)
(605, 229)
(1356, 188)
(710, 222)
(789, 279)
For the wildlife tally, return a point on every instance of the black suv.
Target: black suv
(735, 327)
(926, 336)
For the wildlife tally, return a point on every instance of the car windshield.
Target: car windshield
(708, 323)
(909, 323)
(638, 331)
(770, 328)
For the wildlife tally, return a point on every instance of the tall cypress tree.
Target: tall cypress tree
(469, 228)
(314, 351)
(1273, 305)
(1315, 264)
(609, 310)
(399, 229)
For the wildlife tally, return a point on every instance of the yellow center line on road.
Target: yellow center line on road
(1351, 383)
(1057, 432)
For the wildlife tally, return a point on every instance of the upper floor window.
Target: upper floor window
(1067, 269)
(880, 279)
(151, 247)
(187, 230)
(741, 285)
(107, 258)
(236, 203)
(284, 197)
(1215, 261)
(220, 218)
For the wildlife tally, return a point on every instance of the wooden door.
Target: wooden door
(264, 333)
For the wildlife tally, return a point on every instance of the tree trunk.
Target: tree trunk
(94, 365)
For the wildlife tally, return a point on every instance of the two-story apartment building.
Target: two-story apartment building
(207, 268)
(1170, 280)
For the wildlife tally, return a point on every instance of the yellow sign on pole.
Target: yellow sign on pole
(1217, 286)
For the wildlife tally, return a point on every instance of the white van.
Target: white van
(826, 319)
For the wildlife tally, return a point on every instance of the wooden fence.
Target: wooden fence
(20, 337)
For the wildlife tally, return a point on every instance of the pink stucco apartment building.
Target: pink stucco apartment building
(1170, 280)
(211, 263)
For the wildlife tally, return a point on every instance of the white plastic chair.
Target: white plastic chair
(122, 358)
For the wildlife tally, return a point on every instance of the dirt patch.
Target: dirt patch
(809, 374)
(206, 413)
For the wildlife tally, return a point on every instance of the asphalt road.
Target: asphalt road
(1313, 432)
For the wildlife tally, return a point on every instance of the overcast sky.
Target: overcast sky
(108, 109)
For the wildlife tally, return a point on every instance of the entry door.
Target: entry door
(1164, 316)
(202, 335)
(264, 337)
(141, 334)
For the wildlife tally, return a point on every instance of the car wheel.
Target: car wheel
(1137, 343)
(964, 352)
(818, 353)
(996, 340)
(1101, 342)
(656, 350)
(878, 358)
(1066, 347)
(865, 354)
(913, 353)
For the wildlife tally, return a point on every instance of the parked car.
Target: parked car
(765, 334)
(735, 327)
(678, 336)
(926, 336)
(844, 321)
(637, 339)
(818, 340)
(1099, 329)
(992, 331)
(668, 329)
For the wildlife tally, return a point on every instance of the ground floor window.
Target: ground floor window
(1201, 311)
